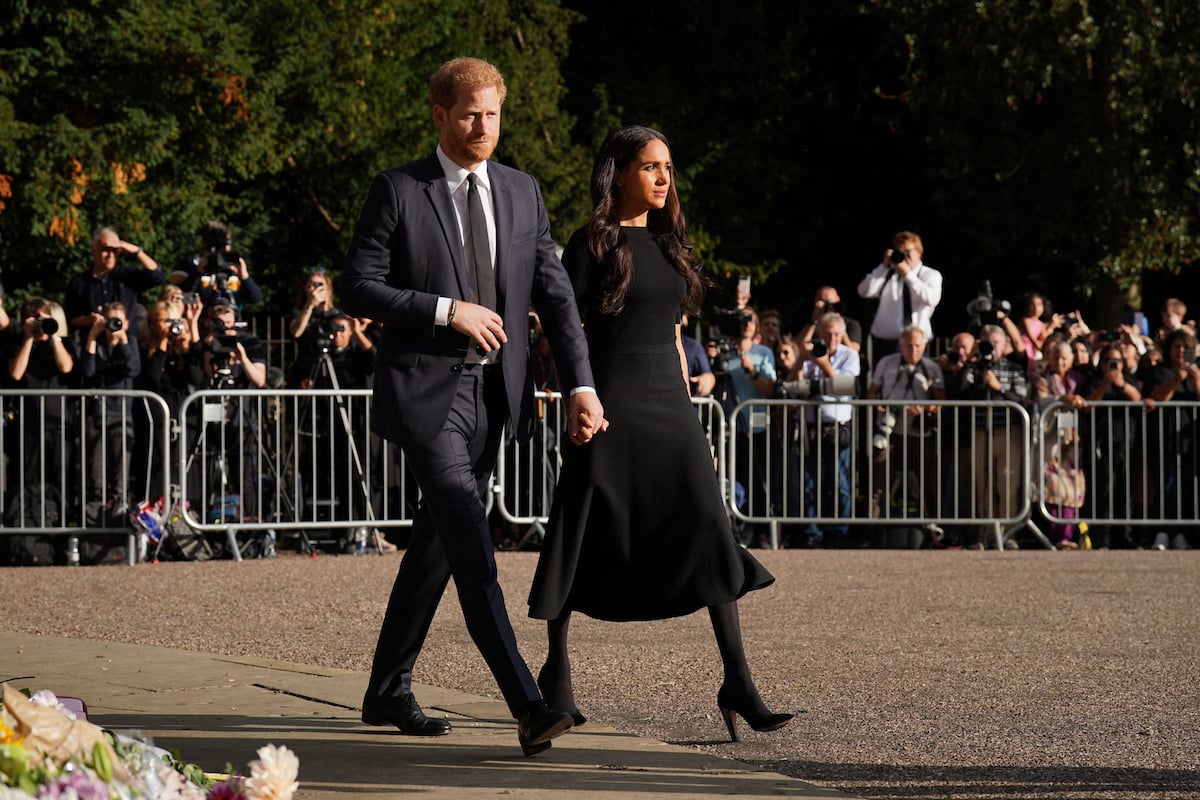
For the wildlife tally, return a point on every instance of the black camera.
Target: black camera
(730, 321)
(220, 255)
(222, 343)
(190, 298)
(1113, 363)
(44, 326)
(952, 357)
(176, 327)
(898, 256)
(819, 349)
(114, 324)
(985, 309)
(986, 350)
(326, 326)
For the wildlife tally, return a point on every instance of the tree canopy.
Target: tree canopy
(1044, 144)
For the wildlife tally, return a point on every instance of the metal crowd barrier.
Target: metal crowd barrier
(1120, 464)
(967, 463)
(75, 464)
(282, 461)
(303, 462)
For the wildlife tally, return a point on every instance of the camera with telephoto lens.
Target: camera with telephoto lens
(726, 330)
(44, 326)
(837, 386)
(819, 349)
(986, 350)
(883, 430)
(898, 255)
(114, 324)
(985, 309)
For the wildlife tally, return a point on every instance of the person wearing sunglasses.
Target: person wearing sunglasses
(107, 281)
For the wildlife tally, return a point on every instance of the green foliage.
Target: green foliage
(155, 116)
(1062, 128)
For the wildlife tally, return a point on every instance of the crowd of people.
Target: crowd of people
(125, 323)
(1029, 357)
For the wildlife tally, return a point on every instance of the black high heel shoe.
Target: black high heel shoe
(547, 682)
(731, 704)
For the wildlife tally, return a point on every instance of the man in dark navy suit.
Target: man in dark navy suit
(448, 253)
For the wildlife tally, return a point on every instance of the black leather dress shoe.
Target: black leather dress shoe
(404, 713)
(539, 724)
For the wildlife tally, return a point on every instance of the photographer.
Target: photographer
(314, 302)
(826, 300)
(106, 282)
(343, 358)
(231, 359)
(217, 269)
(171, 366)
(829, 434)
(997, 442)
(109, 361)
(903, 441)
(351, 354)
(749, 372)
(1116, 442)
(40, 356)
(1173, 441)
(907, 289)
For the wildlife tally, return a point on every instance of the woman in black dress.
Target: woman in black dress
(638, 530)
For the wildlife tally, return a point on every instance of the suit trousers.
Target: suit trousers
(451, 536)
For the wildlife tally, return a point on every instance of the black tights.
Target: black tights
(555, 677)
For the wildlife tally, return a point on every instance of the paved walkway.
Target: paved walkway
(218, 711)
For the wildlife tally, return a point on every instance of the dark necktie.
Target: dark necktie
(479, 256)
(906, 301)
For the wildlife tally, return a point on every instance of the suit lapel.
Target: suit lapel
(438, 193)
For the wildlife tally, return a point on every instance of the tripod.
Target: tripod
(323, 366)
(231, 412)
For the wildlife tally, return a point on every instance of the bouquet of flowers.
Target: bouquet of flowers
(47, 753)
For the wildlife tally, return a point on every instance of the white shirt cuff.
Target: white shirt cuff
(442, 312)
(579, 389)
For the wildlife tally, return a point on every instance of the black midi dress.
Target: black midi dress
(638, 529)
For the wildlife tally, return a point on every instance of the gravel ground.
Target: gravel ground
(988, 675)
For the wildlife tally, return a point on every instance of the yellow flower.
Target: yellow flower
(7, 734)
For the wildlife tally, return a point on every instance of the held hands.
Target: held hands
(585, 417)
(479, 323)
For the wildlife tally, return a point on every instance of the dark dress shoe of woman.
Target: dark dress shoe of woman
(557, 695)
(751, 709)
(403, 712)
(539, 724)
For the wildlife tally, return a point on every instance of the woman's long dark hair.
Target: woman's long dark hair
(607, 242)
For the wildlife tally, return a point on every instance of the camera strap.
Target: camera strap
(911, 374)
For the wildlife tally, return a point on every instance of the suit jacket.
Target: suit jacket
(407, 252)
